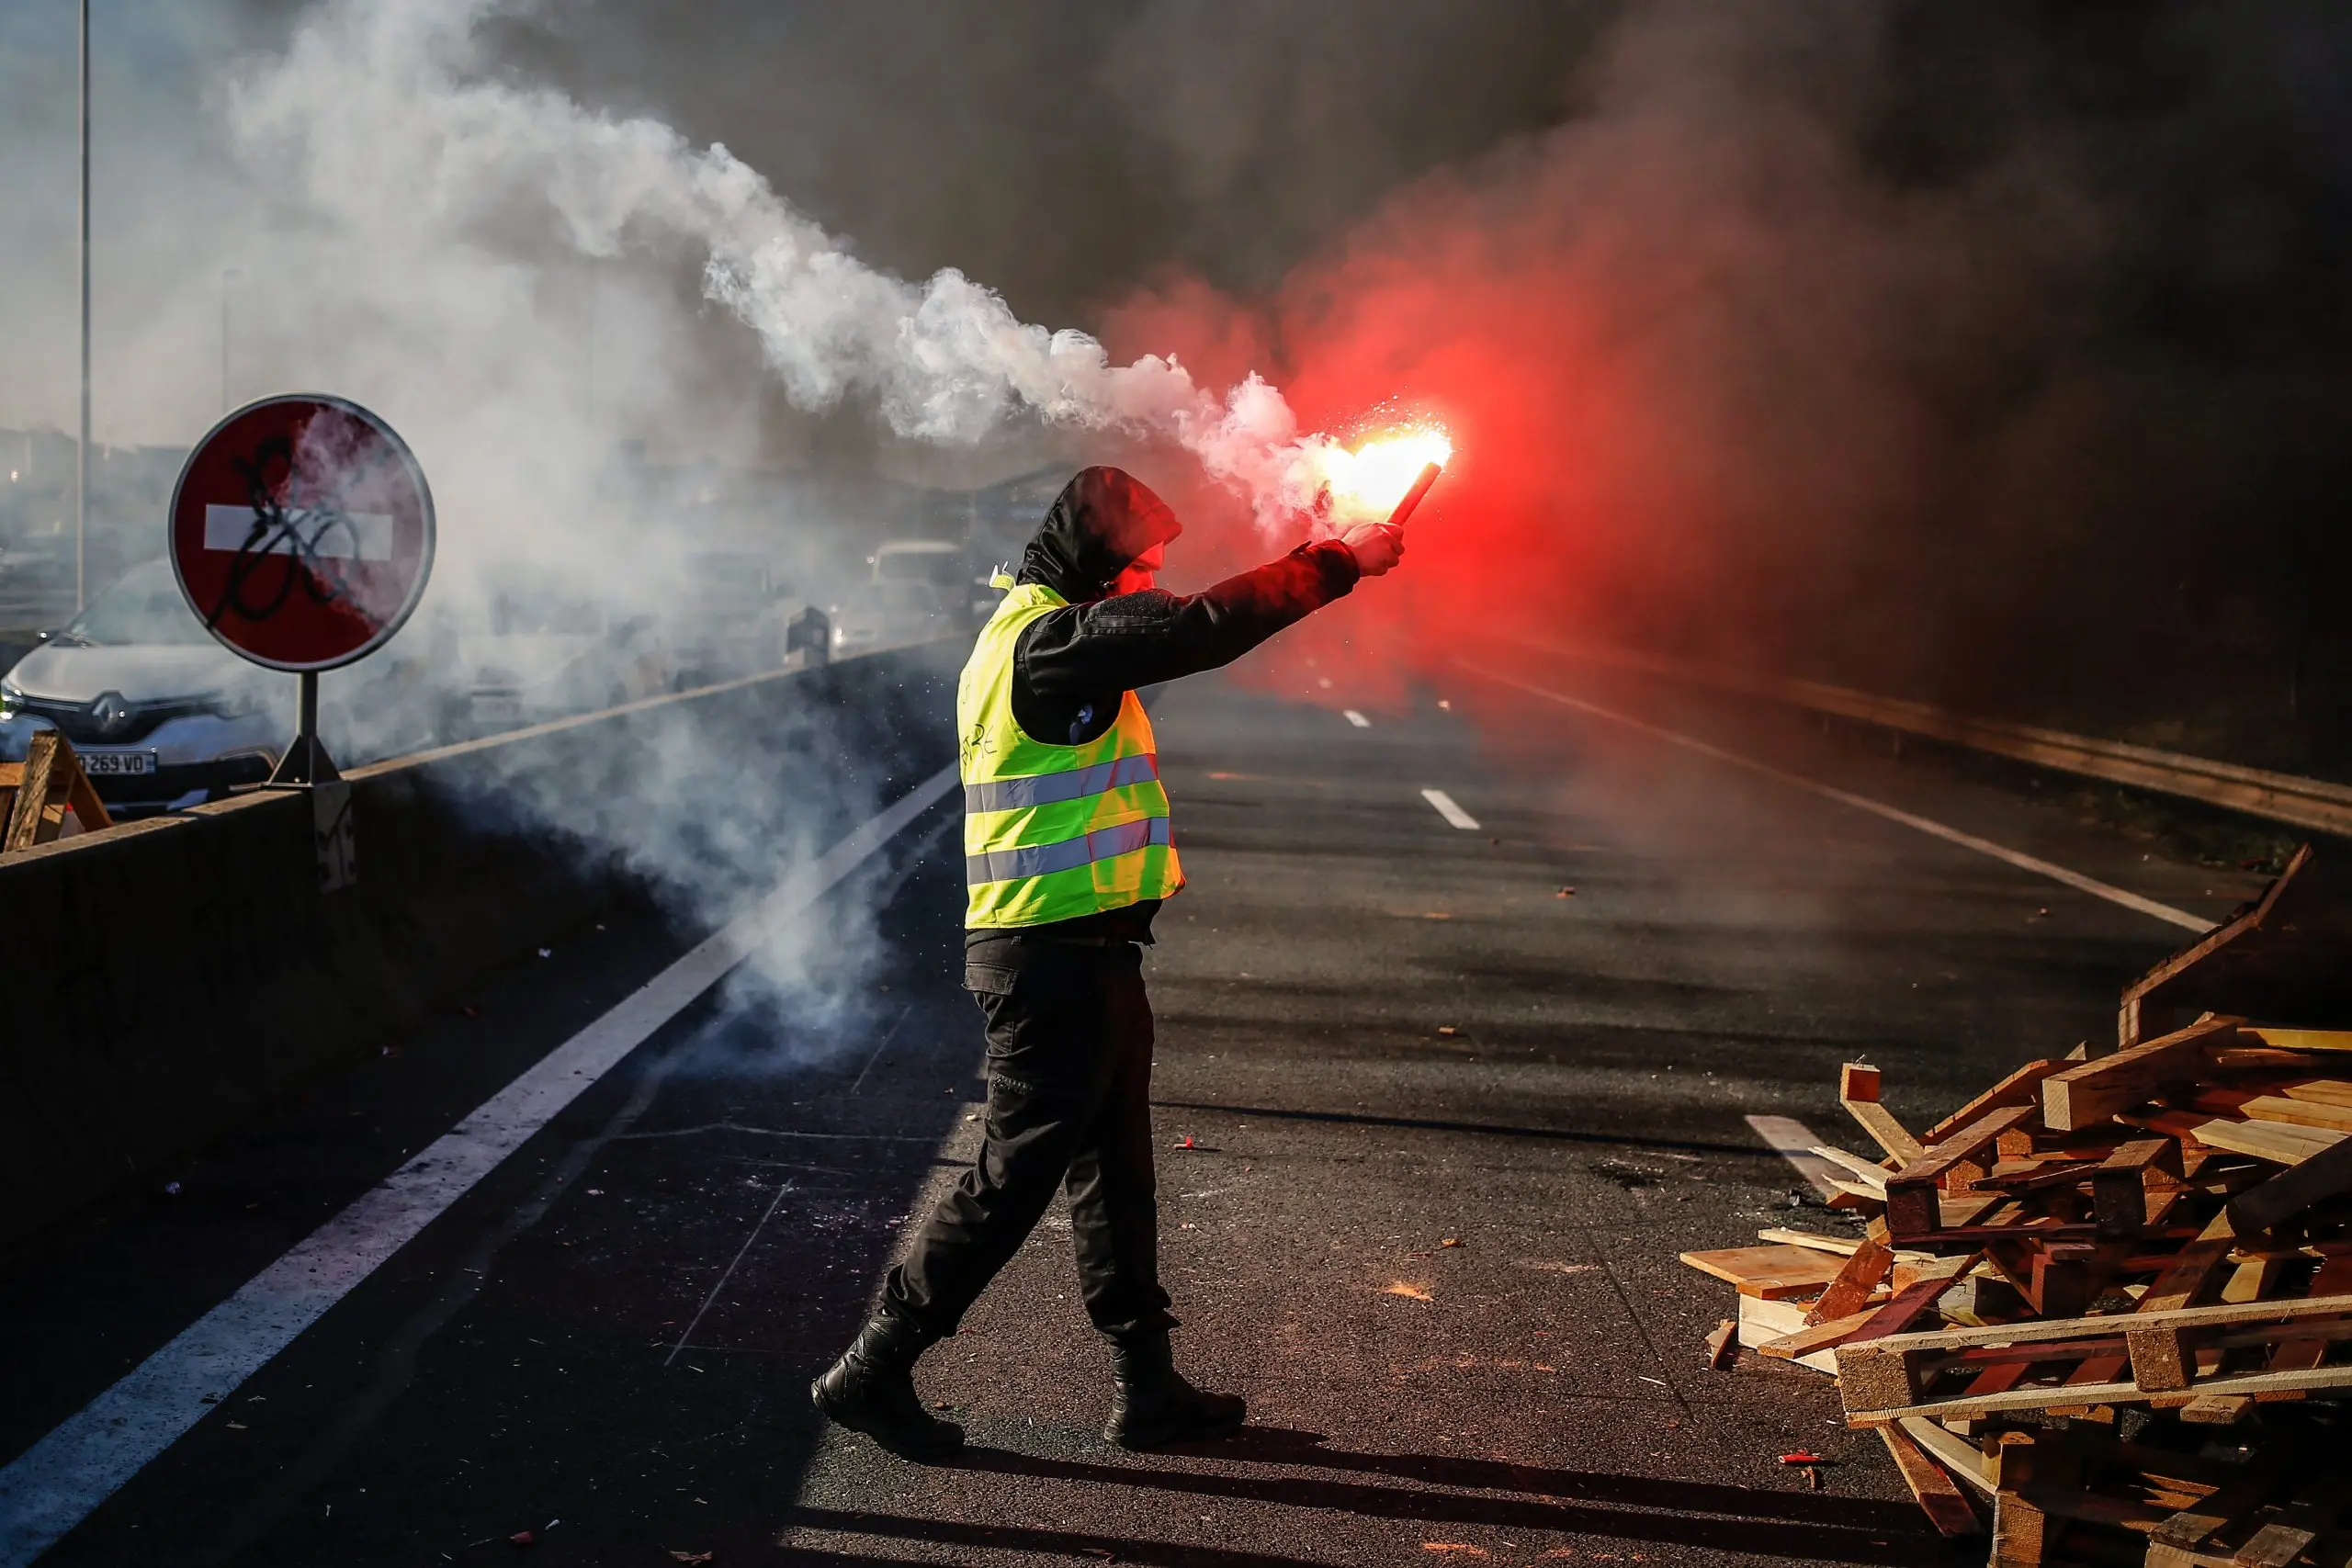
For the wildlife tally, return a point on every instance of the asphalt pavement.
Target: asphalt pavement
(1437, 1106)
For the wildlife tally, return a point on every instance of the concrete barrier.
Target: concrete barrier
(167, 979)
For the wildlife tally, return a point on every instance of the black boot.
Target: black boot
(1153, 1406)
(871, 1390)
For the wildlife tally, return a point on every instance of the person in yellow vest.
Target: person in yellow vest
(1068, 856)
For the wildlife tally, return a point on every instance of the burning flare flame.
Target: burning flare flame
(1365, 484)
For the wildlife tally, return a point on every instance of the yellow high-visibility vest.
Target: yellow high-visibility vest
(1053, 832)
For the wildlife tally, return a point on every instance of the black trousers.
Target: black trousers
(1069, 1102)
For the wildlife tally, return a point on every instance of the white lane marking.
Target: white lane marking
(1356, 718)
(56, 1484)
(1447, 809)
(2017, 858)
(1793, 1141)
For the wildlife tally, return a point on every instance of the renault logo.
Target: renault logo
(112, 713)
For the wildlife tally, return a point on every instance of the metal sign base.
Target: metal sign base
(305, 764)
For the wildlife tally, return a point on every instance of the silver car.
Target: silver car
(162, 717)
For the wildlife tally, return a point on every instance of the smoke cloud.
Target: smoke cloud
(1989, 354)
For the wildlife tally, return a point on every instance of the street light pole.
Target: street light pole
(225, 275)
(82, 451)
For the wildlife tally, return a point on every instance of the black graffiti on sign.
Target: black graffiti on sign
(299, 533)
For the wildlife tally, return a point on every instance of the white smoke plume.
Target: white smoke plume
(387, 105)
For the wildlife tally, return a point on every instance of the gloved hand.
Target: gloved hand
(1377, 546)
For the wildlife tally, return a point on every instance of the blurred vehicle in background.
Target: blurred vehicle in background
(934, 562)
(734, 618)
(547, 652)
(884, 614)
(960, 576)
(162, 717)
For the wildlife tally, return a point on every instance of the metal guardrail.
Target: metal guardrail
(2314, 804)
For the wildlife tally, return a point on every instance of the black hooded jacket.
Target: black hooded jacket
(1072, 665)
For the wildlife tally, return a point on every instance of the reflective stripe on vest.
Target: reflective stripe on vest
(1051, 789)
(1053, 832)
(1043, 859)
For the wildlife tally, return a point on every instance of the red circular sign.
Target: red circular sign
(302, 532)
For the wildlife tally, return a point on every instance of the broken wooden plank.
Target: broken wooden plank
(1946, 1507)
(1858, 1085)
(1772, 1273)
(2320, 1091)
(1912, 1207)
(2301, 1039)
(2276, 1142)
(1856, 1282)
(1963, 1459)
(1853, 1166)
(2020, 1088)
(2319, 1177)
(1723, 1345)
(1815, 1336)
(2088, 1094)
(2293, 1112)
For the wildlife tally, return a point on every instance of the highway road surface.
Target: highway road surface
(1463, 1022)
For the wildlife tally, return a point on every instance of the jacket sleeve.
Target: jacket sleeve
(1139, 640)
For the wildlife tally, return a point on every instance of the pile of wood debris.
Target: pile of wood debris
(2110, 1297)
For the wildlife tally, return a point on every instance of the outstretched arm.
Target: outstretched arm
(1140, 640)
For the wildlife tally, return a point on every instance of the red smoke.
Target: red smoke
(1453, 327)
(1674, 343)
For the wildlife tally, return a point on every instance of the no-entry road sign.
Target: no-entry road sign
(302, 532)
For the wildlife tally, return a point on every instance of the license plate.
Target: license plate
(117, 764)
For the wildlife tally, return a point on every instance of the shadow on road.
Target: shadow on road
(1623, 1507)
(1011, 1537)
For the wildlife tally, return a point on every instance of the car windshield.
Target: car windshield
(143, 607)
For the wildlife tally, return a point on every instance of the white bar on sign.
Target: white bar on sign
(1356, 718)
(367, 538)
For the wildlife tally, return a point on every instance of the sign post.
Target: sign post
(301, 533)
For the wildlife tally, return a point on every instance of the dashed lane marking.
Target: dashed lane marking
(1451, 812)
(1356, 718)
(56, 1484)
(1795, 1142)
(2017, 858)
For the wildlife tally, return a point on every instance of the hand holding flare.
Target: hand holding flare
(1368, 476)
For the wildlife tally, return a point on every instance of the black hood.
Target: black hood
(1103, 520)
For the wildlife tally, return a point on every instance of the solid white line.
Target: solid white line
(2017, 858)
(1451, 812)
(1793, 1141)
(54, 1484)
(1356, 718)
